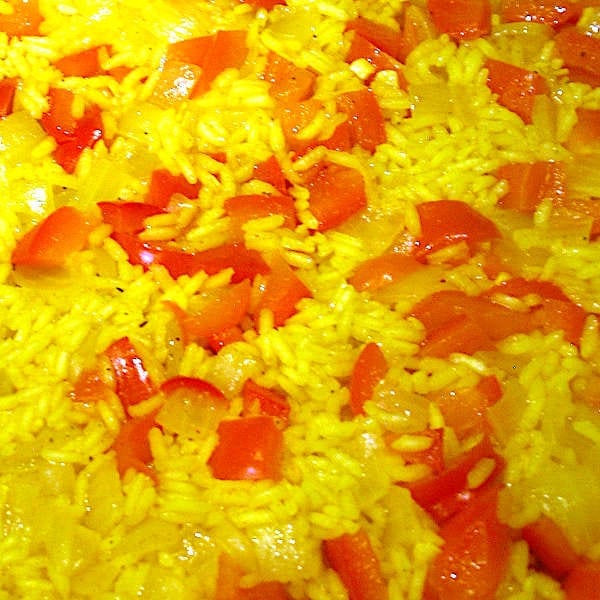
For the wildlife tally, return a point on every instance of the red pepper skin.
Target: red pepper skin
(556, 13)
(465, 409)
(530, 183)
(228, 584)
(336, 194)
(72, 135)
(133, 382)
(281, 290)
(81, 64)
(580, 53)
(367, 128)
(242, 209)
(264, 401)
(213, 54)
(447, 222)
(370, 368)
(583, 581)
(381, 36)
(246, 264)
(516, 87)
(557, 310)
(51, 242)
(353, 558)
(270, 171)
(446, 494)
(25, 18)
(222, 309)
(461, 19)
(127, 217)
(249, 448)
(163, 185)
(384, 270)
(288, 82)
(132, 448)
(475, 554)
(550, 546)
(361, 47)
(433, 456)
(8, 87)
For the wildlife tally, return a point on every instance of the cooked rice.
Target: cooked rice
(71, 527)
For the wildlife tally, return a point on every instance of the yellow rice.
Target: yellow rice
(71, 528)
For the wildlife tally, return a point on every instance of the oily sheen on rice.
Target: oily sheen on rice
(72, 527)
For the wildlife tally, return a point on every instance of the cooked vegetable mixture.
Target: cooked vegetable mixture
(299, 299)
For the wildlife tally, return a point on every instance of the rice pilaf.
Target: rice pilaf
(298, 299)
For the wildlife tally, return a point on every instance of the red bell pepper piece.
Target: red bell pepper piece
(228, 51)
(8, 87)
(127, 217)
(133, 383)
(447, 222)
(178, 81)
(281, 291)
(446, 494)
(556, 13)
(72, 135)
(248, 448)
(557, 310)
(81, 64)
(246, 264)
(294, 117)
(583, 582)
(89, 388)
(132, 448)
(270, 171)
(585, 134)
(433, 456)
(352, 557)
(369, 369)
(361, 47)
(242, 209)
(266, 4)
(464, 409)
(213, 54)
(460, 334)
(51, 242)
(228, 584)
(385, 38)
(519, 287)
(383, 270)
(551, 547)
(495, 320)
(336, 194)
(259, 400)
(25, 18)
(580, 53)
(340, 140)
(163, 185)
(288, 83)
(530, 183)
(475, 555)
(367, 128)
(516, 87)
(461, 19)
(229, 335)
(59, 121)
(220, 310)
(416, 28)
(193, 50)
